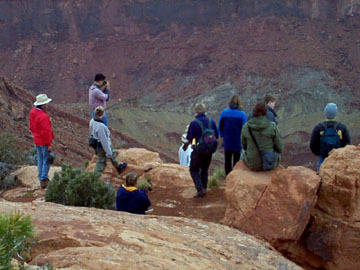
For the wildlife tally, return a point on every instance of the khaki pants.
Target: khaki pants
(101, 160)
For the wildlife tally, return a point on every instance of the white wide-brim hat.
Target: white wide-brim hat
(183, 138)
(42, 99)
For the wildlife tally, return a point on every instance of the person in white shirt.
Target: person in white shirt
(185, 151)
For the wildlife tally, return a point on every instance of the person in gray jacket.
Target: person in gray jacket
(100, 132)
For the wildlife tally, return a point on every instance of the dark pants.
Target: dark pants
(231, 158)
(199, 167)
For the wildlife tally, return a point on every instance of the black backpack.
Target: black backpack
(329, 140)
(207, 143)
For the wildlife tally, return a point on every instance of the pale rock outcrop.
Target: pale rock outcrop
(274, 205)
(83, 238)
(28, 178)
(171, 175)
(339, 195)
(138, 160)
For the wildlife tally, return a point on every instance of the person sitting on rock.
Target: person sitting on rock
(40, 126)
(328, 135)
(131, 199)
(261, 141)
(100, 132)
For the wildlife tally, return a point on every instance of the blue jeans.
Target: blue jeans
(320, 161)
(105, 118)
(43, 165)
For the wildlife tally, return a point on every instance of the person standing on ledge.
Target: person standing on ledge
(270, 102)
(328, 135)
(99, 94)
(230, 124)
(40, 126)
(203, 135)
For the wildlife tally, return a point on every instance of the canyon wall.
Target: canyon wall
(167, 55)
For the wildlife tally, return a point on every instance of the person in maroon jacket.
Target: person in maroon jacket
(41, 130)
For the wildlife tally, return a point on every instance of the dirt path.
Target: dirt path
(167, 200)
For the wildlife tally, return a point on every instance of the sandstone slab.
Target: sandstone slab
(273, 205)
(84, 238)
(339, 195)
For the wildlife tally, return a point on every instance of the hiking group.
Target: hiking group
(255, 139)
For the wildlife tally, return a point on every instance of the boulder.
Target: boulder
(171, 175)
(84, 238)
(274, 205)
(29, 188)
(335, 241)
(138, 160)
(339, 195)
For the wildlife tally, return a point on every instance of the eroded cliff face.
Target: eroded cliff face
(169, 55)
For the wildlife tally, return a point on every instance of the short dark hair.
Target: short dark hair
(99, 77)
(259, 110)
(269, 98)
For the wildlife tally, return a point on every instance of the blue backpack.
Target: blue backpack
(207, 143)
(329, 140)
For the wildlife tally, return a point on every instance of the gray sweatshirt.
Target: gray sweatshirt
(101, 133)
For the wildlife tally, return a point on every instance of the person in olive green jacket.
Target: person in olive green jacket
(267, 136)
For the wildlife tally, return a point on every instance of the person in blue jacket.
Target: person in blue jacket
(131, 199)
(230, 124)
(200, 163)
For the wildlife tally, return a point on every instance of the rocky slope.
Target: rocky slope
(71, 127)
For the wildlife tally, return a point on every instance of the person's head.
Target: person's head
(330, 110)
(184, 140)
(99, 78)
(42, 101)
(259, 110)
(200, 108)
(131, 179)
(270, 100)
(236, 101)
(99, 112)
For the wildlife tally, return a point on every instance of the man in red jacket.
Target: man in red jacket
(40, 127)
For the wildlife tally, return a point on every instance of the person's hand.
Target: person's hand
(107, 85)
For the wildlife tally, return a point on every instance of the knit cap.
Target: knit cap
(330, 110)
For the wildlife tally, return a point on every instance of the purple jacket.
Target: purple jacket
(97, 97)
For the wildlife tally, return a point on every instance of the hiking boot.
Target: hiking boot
(44, 183)
(200, 194)
(121, 167)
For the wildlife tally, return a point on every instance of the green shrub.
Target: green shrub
(15, 233)
(30, 156)
(217, 176)
(10, 152)
(78, 188)
(86, 164)
(6, 179)
(145, 183)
